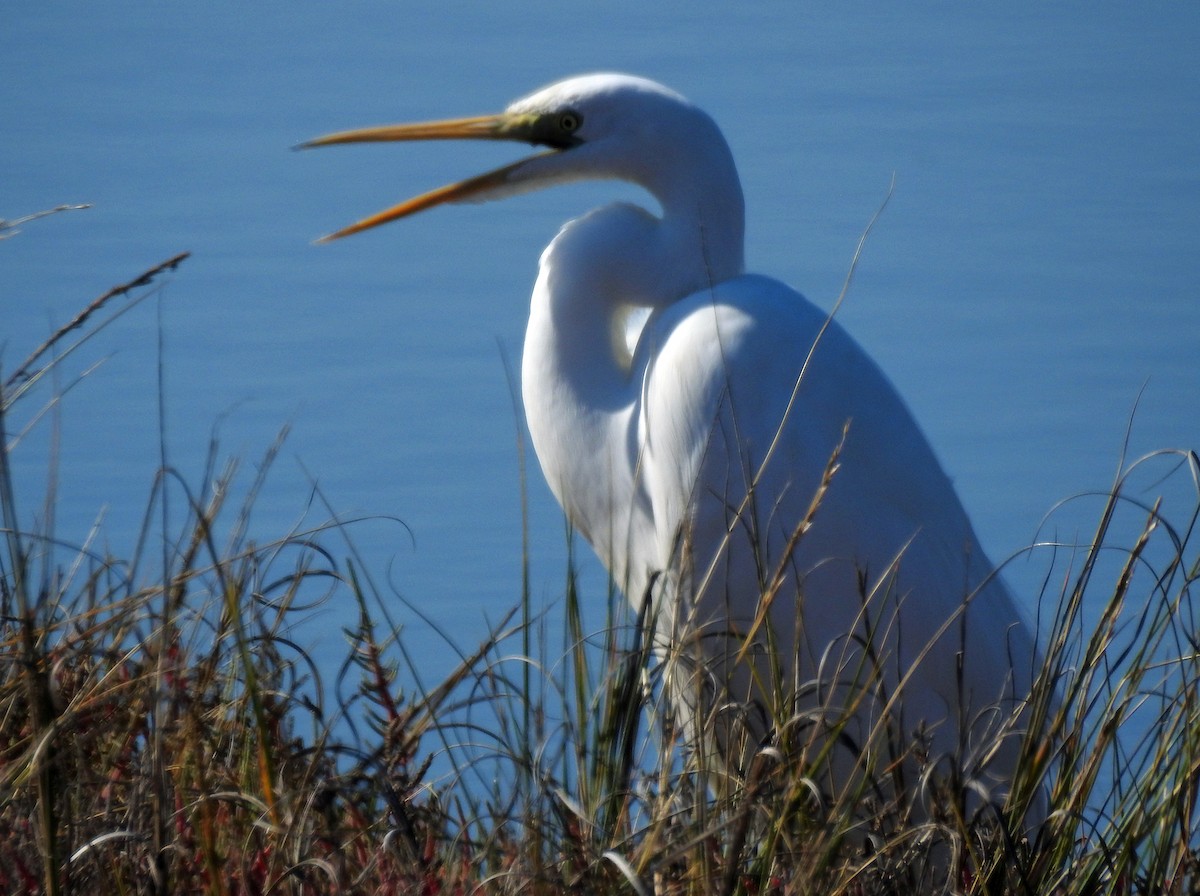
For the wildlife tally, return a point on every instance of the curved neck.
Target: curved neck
(701, 236)
(580, 386)
(704, 223)
(577, 396)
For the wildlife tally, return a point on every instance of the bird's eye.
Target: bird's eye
(555, 129)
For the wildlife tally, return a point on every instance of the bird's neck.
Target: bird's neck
(579, 380)
(608, 261)
(701, 234)
(576, 389)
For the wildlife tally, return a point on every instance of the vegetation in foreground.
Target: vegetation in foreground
(161, 732)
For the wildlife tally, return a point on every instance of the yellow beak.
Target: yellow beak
(487, 127)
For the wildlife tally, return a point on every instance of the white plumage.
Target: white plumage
(691, 466)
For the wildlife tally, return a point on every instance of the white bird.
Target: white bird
(747, 467)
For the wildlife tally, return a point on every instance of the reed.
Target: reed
(161, 731)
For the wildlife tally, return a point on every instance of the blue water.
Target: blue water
(1032, 280)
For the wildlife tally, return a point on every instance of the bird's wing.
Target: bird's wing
(749, 402)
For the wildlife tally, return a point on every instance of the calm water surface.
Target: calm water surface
(1032, 281)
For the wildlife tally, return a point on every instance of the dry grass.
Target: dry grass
(161, 733)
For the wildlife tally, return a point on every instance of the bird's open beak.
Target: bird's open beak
(507, 126)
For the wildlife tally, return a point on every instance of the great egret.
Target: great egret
(746, 466)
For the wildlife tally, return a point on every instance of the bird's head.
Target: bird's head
(591, 126)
